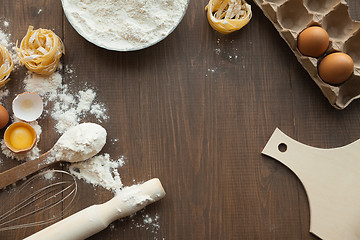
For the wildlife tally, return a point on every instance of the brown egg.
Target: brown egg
(4, 117)
(335, 68)
(313, 41)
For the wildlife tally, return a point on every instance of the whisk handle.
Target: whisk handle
(21, 171)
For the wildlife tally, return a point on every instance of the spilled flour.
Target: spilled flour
(68, 108)
(10, 46)
(148, 222)
(100, 171)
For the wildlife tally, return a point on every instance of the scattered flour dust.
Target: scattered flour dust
(68, 108)
(147, 221)
(49, 175)
(127, 23)
(101, 171)
(4, 92)
(10, 46)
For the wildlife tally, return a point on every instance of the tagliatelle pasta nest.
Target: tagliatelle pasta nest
(226, 16)
(40, 50)
(6, 66)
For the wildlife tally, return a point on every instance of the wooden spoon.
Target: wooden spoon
(91, 135)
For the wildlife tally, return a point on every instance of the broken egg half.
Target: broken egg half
(27, 106)
(20, 137)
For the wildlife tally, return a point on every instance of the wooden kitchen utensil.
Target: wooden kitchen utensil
(331, 178)
(95, 218)
(77, 136)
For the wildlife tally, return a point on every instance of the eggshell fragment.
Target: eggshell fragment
(313, 41)
(336, 68)
(27, 106)
(4, 117)
(20, 137)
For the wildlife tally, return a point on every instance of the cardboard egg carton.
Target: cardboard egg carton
(290, 17)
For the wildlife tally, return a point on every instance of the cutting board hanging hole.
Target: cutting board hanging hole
(282, 147)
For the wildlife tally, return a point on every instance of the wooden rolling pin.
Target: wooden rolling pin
(95, 218)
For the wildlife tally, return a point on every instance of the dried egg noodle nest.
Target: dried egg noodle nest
(6, 65)
(40, 51)
(124, 25)
(227, 16)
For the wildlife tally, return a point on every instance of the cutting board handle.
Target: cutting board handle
(331, 178)
(285, 149)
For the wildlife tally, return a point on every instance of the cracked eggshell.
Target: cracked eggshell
(28, 106)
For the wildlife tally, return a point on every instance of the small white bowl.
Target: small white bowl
(83, 25)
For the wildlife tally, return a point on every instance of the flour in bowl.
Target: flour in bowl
(124, 24)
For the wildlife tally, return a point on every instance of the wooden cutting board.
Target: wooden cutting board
(331, 178)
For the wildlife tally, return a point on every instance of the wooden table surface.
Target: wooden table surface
(195, 110)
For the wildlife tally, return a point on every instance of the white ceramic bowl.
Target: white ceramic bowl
(78, 26)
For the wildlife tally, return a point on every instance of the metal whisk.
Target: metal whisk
(42, 199)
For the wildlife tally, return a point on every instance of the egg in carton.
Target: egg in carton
(291, 17)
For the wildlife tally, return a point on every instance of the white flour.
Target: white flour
(79, 143)
(4, 39)
(148, 222)
(10, 46)
(124, 24)
(100, 171)
(46, 86)
(4, 92)
(68, 109)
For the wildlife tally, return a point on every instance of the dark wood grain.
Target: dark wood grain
(195, 110)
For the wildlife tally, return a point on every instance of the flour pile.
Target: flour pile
(79, 143)
(68, 109)
(100, 171)
(124, 24)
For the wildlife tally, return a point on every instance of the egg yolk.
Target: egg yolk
(21, 138)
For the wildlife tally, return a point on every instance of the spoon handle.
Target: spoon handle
(23, 170)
